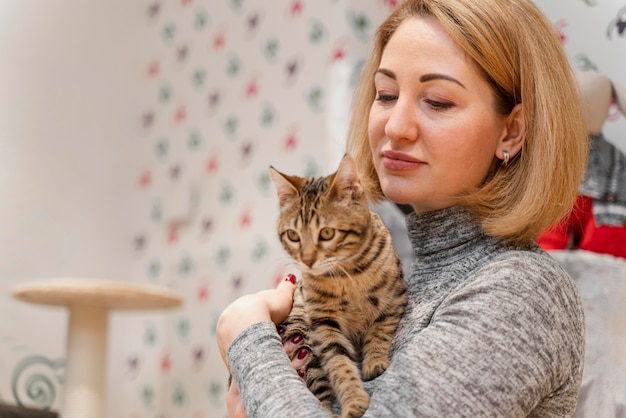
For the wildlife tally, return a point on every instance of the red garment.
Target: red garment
(579, 230)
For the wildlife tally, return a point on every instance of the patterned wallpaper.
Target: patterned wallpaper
(230, 88)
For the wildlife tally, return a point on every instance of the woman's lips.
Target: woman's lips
(393, 160)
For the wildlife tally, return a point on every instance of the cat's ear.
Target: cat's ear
(346, 180)
(286, 186)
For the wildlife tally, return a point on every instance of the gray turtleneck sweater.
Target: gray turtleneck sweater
(490, 331)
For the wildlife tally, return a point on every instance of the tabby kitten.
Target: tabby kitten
(352, 293)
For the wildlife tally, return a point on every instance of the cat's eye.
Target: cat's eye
(293, 235)
(327, 233)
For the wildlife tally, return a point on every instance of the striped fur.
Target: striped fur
(352, 293)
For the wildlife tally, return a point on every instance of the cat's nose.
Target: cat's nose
(308, 261)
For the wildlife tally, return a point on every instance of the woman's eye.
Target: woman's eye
(386, 98)
(327, 233)
(293, 235)
(437, 105)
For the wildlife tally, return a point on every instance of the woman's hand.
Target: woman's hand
(299, 355)
(234, 404)
(272, 305)
(267, 305)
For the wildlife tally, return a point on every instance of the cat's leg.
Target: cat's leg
(337, 357)
(377, 345)
(345, 378)
(317, 380)
(296, 322)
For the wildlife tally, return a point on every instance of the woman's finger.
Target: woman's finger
(279, 300)
(301, 358)
(286, 287)
(292, 344)
(234, 404)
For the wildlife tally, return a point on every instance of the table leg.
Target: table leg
(85, 362)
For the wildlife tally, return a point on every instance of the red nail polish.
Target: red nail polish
(301, 373)
(296, 339)
(291, 278)
(303, 353)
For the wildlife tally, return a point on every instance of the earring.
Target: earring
(505, 157)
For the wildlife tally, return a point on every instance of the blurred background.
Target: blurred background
(135, 141)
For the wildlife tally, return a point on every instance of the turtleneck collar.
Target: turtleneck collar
(440, 235)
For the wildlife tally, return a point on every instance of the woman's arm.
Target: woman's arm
(252, 351)
(268, 383)
(506, 342)
(267, 305)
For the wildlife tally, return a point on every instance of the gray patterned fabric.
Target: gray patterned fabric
(490, 330)
(605, 182)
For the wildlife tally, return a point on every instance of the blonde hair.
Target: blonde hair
(520, 56)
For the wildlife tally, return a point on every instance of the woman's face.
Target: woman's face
(433, 128)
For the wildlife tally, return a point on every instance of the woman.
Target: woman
(467, 111)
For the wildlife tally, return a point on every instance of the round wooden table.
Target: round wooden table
(89, 302)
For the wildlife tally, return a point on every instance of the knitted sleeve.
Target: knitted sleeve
(509, 341)
(268, 384)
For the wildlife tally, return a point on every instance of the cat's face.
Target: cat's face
(322, 220)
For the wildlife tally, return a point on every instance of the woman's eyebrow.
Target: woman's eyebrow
(387, 73)
(425, 78)
(429, 77)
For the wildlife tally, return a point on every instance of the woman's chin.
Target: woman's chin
(400, 198)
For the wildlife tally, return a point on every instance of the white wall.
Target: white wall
(68, 106)
(68, 122)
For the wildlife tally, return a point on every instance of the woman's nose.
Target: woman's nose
(402, 123)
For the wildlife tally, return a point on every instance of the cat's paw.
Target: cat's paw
(356, 406)
(372, 369)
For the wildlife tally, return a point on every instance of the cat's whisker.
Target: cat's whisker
(282, 259)
(285, 262)
(348, 275)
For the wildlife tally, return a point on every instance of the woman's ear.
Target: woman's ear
(514, 134)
